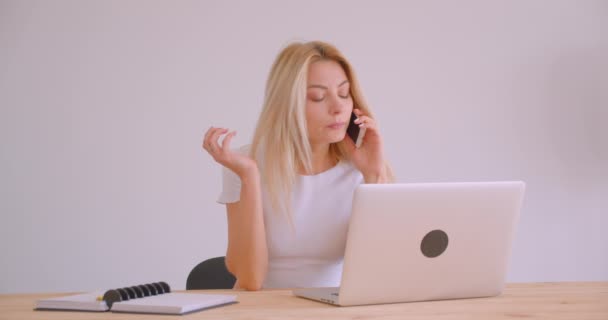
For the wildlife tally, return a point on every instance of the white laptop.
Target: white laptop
(426, 241)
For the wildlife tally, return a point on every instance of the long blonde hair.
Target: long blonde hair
(280, 141)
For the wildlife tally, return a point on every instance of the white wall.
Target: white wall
(104, 103)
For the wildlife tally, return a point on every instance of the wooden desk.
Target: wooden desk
(573, 300)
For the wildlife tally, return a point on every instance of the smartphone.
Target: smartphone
(354, 132)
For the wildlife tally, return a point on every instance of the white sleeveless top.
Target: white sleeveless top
(310, 254)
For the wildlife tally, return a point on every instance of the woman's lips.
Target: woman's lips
(336, 125)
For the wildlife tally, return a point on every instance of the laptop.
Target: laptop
(426, 241)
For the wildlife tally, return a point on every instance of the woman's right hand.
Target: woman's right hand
(240, 164)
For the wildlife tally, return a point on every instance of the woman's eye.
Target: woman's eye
(345, 96)
(317, 99)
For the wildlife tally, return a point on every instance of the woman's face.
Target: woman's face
(328, 102)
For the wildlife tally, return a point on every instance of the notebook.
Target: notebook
(146, 298)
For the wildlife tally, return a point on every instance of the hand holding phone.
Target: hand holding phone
(354, 131)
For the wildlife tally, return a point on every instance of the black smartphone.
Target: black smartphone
(354, 132)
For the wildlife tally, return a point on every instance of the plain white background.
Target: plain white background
(103, 105)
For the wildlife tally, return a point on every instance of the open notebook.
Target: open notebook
(147, 298)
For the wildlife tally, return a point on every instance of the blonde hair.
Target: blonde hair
(281, 137)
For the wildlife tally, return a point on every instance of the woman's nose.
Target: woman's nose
(337, 105)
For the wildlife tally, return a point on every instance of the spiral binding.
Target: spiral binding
(134, 292)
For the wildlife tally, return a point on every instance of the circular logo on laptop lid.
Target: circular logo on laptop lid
(434, 243)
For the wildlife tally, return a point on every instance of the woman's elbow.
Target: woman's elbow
(251, 285)
(247, 278)
(251, 281)
(248, 282)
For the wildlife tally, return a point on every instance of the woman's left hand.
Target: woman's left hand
(369, 157)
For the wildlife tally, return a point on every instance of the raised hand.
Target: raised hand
(369, 157)
(237, 162)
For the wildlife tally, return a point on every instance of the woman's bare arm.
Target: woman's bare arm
(247, 254)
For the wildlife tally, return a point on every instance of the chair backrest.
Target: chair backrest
(210, 274)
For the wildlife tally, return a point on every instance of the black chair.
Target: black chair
(210, 274)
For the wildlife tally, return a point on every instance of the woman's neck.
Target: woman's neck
(321, 160)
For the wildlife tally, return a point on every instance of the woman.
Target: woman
(288, 196)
